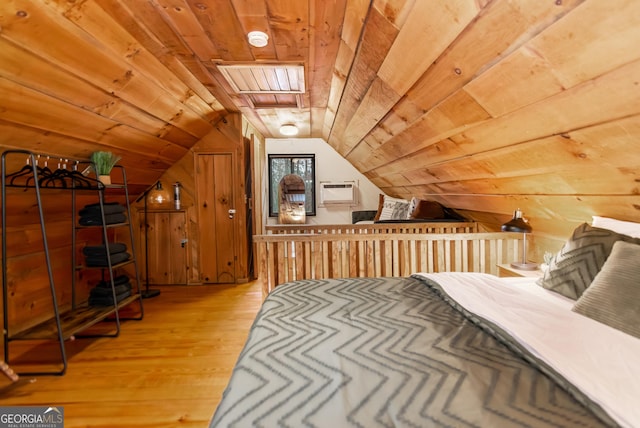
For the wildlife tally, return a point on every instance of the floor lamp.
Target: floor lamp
(519, 225)
(147, 293)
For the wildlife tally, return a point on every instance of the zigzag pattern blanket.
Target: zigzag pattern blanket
(384, 352)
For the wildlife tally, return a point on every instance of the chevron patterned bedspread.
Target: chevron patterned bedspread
(384, 352)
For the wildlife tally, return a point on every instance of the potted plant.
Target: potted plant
(103, 163)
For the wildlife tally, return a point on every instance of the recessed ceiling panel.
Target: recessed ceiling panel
(265, 78)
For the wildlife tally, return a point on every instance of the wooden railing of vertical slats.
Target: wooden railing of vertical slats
(289, 257)
(423, 227)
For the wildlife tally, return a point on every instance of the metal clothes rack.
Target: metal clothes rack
(65, 325)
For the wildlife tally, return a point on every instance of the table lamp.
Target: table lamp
(519, 225)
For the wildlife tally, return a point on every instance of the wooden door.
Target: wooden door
(217, 217)
(166, 249)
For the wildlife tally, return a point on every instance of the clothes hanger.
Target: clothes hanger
(25, 170)
(55, 178)
(42, 172)
(81, 180)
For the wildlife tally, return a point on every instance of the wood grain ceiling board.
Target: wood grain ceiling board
(457, 113)
(614, 93)
(131, 74)
(547, 63)
(429, 29)
(553, 162)
(377, 37)
(326, 24)
(192, 24)
(354, 19)
(501, 26)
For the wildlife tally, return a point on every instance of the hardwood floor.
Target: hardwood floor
(168, 370)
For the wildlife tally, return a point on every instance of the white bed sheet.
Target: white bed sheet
(602, 362)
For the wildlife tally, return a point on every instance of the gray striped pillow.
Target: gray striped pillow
(575, 266)
(614, 296)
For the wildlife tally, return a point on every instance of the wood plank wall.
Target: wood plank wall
(28, 284)
(228, 135)
(530, 105)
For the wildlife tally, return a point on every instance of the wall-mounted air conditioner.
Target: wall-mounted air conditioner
(334, 193)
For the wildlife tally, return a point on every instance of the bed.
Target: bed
(454, 349)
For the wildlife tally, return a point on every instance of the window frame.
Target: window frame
(274, 208)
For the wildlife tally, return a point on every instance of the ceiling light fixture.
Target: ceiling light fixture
(289, 129)
(258, 39)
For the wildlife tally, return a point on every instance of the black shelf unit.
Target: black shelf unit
(71, 320)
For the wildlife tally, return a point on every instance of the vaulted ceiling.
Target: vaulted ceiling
(484, 105)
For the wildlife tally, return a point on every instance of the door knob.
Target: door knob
(232, 213)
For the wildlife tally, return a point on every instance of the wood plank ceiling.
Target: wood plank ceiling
(484, 105)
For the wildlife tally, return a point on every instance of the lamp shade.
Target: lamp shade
(517, 224)
(159, 197)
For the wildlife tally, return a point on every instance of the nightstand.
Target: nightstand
(505, 270)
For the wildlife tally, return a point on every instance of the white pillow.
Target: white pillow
(628, 228)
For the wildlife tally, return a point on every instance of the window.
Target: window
(302, 165)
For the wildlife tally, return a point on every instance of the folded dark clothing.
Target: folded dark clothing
(97, 219)
(107, 292)
(109, 208)
(101, 250)
(108, 300)
(118, 280)
(102, 261)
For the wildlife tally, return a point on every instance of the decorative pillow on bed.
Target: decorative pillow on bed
(624, 227)
(428, 210)
(575, 266)
(393, 209)
(613, 298)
